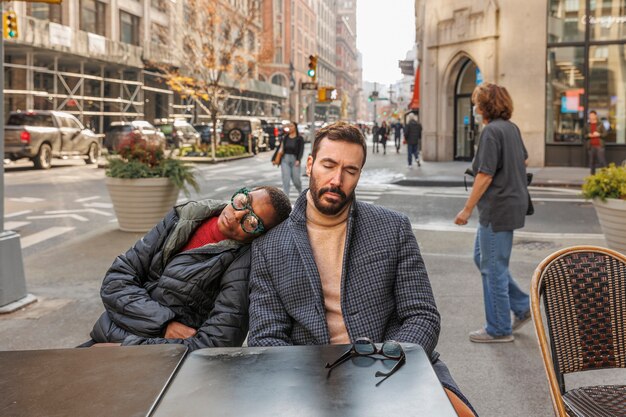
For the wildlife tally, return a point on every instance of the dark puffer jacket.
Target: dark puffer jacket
(152, 284)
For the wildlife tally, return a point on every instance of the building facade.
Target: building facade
(572, 60)
(347, 59)
(99, 60)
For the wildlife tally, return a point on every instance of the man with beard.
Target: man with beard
(358, 264)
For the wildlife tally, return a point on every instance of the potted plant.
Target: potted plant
(144, 184)
(607, 189)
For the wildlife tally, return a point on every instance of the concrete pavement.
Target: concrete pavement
(501, 379)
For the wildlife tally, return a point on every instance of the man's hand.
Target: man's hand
(463, 216)
(297, 163)
(176, 330)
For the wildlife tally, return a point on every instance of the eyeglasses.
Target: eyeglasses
(250, 223)
(365, 347)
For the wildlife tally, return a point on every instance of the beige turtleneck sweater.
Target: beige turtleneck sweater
(327, 235)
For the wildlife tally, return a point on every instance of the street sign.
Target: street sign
(309, 86)
(406, 67)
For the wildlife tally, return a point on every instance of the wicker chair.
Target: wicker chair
(584, 294)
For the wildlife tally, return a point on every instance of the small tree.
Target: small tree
(218, 55)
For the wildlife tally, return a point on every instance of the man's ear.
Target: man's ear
(309, 165)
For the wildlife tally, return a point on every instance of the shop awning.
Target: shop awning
(415, 101)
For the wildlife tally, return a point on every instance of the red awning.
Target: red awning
(415, 101)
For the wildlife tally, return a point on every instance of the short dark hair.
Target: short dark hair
(279, 201)
(594, 112)
(340, 131)
(494, 101)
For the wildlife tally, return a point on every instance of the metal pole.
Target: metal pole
(13, 294)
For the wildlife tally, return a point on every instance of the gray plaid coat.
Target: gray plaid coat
(385, 291)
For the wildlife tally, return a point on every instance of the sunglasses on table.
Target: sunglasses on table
(250, 223)
(365, 347)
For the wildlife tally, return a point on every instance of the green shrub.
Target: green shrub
(608, 182)
(221, 151)
(137, 158)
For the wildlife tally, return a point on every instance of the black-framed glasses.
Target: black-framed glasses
(365, 347)
(250, 223)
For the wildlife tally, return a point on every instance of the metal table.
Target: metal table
(99, 381)
(292, 381)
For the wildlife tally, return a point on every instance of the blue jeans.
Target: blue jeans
(290, 172)
(413, 150)
(501, 293)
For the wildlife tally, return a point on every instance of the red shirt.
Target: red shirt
(595, 140)
(208, 232)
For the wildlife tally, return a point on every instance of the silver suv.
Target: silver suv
(244, 130)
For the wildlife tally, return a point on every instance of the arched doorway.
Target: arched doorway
(465, 129)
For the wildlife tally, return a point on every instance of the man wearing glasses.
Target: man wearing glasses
(186, 281)
(339, 271)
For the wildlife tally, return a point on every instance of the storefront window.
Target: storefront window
(565, 94)
(566, 21)
(607, 89)
(92, 17)
(607, 20)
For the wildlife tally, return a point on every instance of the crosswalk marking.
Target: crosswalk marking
(88, 210)
(14, 225)
(44, 235)
(17, 213)
(26, 199)
(82, 200)
(58, 216)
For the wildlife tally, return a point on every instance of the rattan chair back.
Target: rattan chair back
(584, 295)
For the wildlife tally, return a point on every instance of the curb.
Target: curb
(208, 160)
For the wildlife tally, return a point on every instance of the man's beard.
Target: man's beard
(329, 209)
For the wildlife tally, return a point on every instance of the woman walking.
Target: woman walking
(384, 135)
(293, 148)
(501, 194)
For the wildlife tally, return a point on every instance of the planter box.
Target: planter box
(141, 203)
(612, 216)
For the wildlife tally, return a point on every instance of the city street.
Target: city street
(69, 239)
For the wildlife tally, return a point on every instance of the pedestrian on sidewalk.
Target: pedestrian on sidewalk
(375, 137)
(413, 137)
(501, 194)
(595, 134)
(384, 135)
(397, 135)
(293, 148)
(306, 291)
(186, 281)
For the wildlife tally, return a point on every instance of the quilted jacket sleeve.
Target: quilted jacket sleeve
(124, 292)
(227, 324)
(414, 296)
(270, 325)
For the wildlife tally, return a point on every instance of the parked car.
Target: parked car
(42, 135)
(119, 130)
(206, 131)
(274, 130)
(237, 129)
(178, 133)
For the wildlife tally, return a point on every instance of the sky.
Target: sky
(385, 33)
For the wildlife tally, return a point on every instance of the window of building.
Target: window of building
(565, 95)
(278, 59)
(92, 16)
(566, 20)
(43, 11)
(129, 28)
(607, 20)
(278, 79)
(589, 72)
(251, 41)
(607, 89)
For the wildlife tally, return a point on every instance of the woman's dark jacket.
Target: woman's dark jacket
(293, 146)
(154, 283)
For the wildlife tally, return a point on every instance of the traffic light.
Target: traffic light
(9, 25)
(312, 72)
